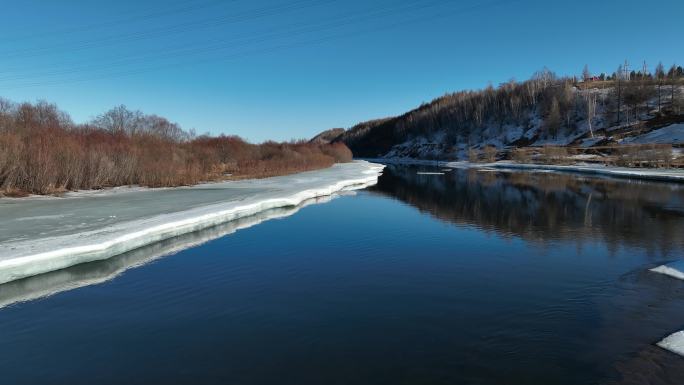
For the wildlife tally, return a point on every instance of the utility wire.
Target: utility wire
(100, 25)
(165, 31)
(193, 49)
(266, 50)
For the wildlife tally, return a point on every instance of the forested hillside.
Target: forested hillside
(546, 110)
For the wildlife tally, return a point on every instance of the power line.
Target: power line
(239, 55)
(164, 31)
(345, 20)
(104, 24)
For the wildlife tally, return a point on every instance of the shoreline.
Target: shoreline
(136, 187)
(661, 175)
(28, 257)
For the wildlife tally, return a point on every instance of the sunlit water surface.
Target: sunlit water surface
(471, 277)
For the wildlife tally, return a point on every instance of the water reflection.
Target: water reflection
(92, 273)
(544, 207)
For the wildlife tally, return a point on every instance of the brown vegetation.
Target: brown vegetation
(626, 155)
(644, 155)
(489, 154)
(554, 155)
(42, 151)
(473, 155)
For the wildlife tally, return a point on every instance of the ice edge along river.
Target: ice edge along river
(54, 282)
(25, 259)
(661, 175)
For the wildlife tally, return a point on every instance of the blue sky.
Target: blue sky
(282, 70)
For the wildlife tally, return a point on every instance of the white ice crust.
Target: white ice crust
(665, 175)
(674, 343)
(39, 236)
(673, 269)
(54, 282)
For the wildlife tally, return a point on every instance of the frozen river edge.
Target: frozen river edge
(660, 175)
(28, 257)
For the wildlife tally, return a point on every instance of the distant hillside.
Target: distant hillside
(327, 136)
(544, 110)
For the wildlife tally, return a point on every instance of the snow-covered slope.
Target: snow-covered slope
(673, 134)
(38, 235)
(534, 113)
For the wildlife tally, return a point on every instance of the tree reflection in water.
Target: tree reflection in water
(545, 207)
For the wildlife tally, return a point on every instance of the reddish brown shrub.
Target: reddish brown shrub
(42, 152)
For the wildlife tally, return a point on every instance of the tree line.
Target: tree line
(557, 105)
(43, 151)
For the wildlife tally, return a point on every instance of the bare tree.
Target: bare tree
(660, 76)
(119, 120)
(673, 85)
(553, 120)
(618, 90)
(586, 75)
(591, 110)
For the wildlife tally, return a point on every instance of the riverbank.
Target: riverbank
(47, 234)
(664, 175)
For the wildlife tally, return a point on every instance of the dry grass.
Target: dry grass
(645, 155)
(554, 155)
(521, 155)
(489, 153)
(473, 155)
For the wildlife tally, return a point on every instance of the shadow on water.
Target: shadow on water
(544, 207)
(92, 273)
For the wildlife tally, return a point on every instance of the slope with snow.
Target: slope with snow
(40, 234)
(672, 134)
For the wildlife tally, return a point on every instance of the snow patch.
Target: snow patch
(674, 269)
(672, 134)
(674, 343)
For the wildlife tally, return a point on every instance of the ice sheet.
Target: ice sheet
(674, 343)
(42, 235)
(673, 269)
(665, 175)
(45, 285)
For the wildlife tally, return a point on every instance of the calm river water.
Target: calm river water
(471, 277)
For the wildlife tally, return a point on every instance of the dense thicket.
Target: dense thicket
(42, 151)
(556, 104)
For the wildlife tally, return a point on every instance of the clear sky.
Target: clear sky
(289, 69)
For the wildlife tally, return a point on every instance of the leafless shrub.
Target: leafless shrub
(521, 155)
(554, 154)
(645, 155)
(490, 153)
(43, 152)
(473, 155)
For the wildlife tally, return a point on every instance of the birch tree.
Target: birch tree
(591, 110)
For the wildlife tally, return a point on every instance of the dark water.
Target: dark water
(464, 278)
